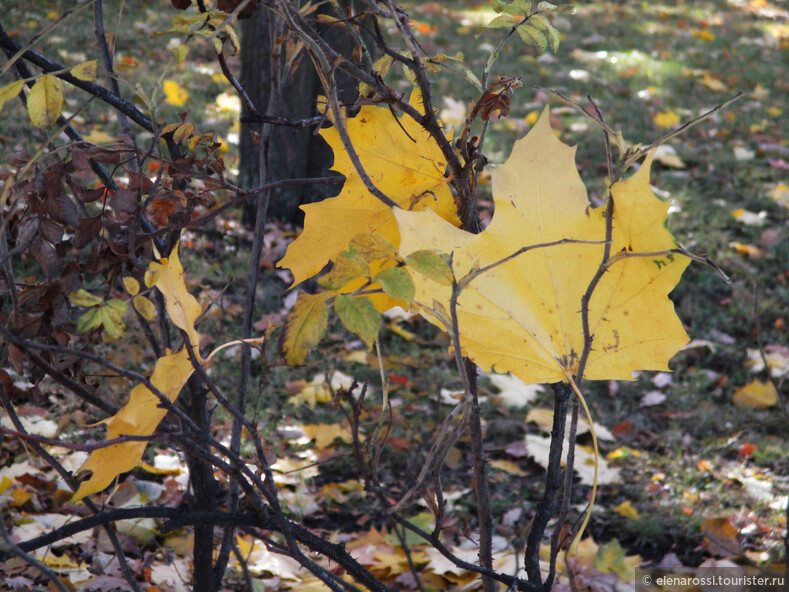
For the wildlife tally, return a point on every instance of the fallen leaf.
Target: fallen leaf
(523, 316)
(611, 559)
(746, 450)
(750, 250)
(513, 393)
(325, 434)
(627, 510)
(749, 218)
(777, 360)
(667, 156)
(507, 466)
(652, 398)
(720, 537)
(666, 119)
(758, 394)
(538, 448)
(175, 94)
(544, 419)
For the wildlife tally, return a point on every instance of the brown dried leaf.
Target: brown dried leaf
(123, 200)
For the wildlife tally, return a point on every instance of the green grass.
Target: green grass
(635, 59)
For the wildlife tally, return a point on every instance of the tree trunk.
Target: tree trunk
(295, 152)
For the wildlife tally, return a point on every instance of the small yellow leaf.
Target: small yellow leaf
(180, 53)
(508, 466)
(586, 552)
(175, 94)
(751, 251)
(131, 285)
(87, 71)
(182, 308)
(97, 136)
(89, 320)
(145, 307)
(182, 132)
(627, 510)
(704, 35)
(756, 394)
(325, 434)
(9, 91)
(304, 327)
(666, 119)
(84, 298)
(111, 314)
(45, 101)
(622, 452)
(713, 83)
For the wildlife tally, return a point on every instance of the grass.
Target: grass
(636, 59)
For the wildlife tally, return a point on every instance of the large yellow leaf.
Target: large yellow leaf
(523, 316)
(401, 159)
(45, 101)
(138, 417)
(142, 414)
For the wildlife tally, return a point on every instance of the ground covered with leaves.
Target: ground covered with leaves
(694, 468)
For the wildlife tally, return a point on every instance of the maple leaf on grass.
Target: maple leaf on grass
(401, 159)
(524, 315)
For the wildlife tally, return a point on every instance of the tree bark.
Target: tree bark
(296, 152)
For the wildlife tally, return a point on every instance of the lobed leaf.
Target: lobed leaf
(524, 315)
(401, 159)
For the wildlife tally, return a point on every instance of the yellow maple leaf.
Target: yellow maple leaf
(523, 316)
(326, 433)
(142, 414)
(401, 159)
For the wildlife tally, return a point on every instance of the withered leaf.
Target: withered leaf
(87, 230)
(45, 255)
(123, 200)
